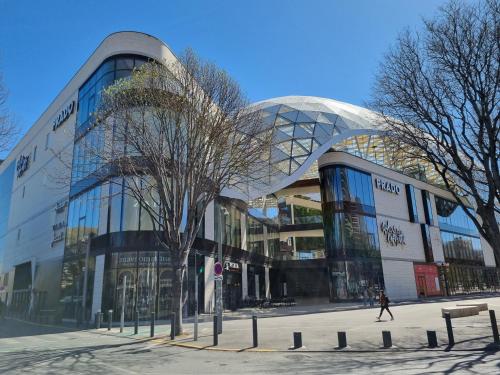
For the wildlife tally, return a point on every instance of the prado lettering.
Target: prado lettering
(387, 186)
(63, 115)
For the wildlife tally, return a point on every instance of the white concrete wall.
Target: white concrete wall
(413, 249)
(98, 285)
(399, 277)
(489, 258)
(209, 285)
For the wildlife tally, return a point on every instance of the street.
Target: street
(27, 348)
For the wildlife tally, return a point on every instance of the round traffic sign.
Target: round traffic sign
(218, 269)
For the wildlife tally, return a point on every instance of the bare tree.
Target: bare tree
(179, 134)
(7, 128)
(438, 91)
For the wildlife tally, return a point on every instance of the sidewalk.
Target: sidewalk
(319, 326)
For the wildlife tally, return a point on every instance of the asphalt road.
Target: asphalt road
(31, 349)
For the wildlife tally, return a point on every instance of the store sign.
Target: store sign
(126, 260)
(22, 165)
(63, 115)
(230, 266)
(393, 235)
(388, 186)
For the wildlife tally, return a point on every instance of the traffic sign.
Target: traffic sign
(218, 269)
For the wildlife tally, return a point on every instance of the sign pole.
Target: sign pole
(195, 296)
(122, 318)
(218, 281)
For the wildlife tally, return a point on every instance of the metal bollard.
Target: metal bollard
(494, 327)
(216, 332)
(386, 337)
(152, 330)
(172, 327)
(449, 329)
(297, 340)
(255, 333)
(98, 320)
(110, 319)
(342, 337)
(136, 322)
(432, 339)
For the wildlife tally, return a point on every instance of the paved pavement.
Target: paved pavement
(364, 332)
(27, 348)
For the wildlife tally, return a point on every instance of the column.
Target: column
(244, 280)
(209, 285)
(210, 222)
(243, 230)
(268, 286)
(98, 285)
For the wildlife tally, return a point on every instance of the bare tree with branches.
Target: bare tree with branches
(438, 91)
(179, 134)
(7, 128)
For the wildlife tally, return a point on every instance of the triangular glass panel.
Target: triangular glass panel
(287, 129)
(269, 120)
(340, 124)
(293, 166)
(332, 117)
(298, 150)
(278, 155)
(272, 109)
(301, 159)
(285, 108)
(302, 117)
(283, 166)
(281, 121)
(279, 137)
(322, 128)
(301, 133)
(323, 118)
(309, 128)
(292, 115)
(285, 147)
(315, 145)
(313, 115)
(306, 143)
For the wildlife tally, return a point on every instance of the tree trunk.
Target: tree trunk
(176, 303)
(492, 230)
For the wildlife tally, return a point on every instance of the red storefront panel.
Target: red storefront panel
(427, 280)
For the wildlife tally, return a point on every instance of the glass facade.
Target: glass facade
(6, 181)
(466, 272)
(351, 236)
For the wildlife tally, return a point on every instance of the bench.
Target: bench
(482, 306)
(460, 311)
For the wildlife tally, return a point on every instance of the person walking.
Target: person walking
(370, 295)
(365, 296)
(384, 305)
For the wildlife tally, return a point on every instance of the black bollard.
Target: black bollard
(152, 330)
(494, 327)
(432, 339)
(255, 333)
(216, 332)
(342, 337)
(297, 340)
(172, 327)
(98, 320)
(136, 322)
(449, 329)
(110, 319)
(386, 337)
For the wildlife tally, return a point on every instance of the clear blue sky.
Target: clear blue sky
(328, 48)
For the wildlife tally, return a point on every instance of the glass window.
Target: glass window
(116, 205)
(452, 217)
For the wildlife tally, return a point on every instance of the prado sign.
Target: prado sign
(387, 186)
(393, 235)
(63, 115)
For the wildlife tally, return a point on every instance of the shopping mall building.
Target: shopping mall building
(340, 213)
